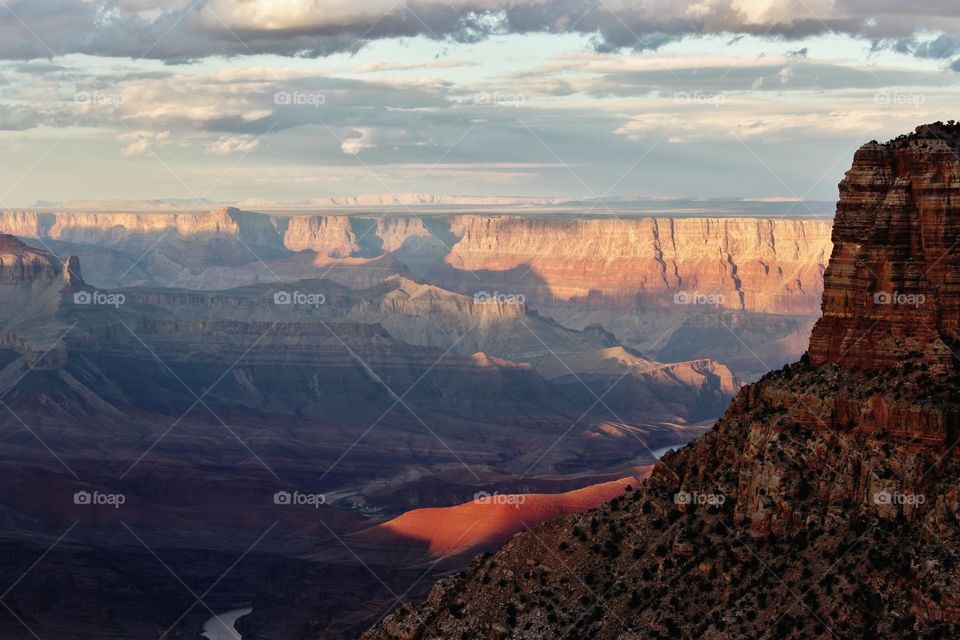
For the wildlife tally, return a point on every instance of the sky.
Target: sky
(279, 101)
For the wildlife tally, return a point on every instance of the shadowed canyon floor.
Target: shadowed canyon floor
(299, 413)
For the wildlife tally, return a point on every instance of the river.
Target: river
(221, 627)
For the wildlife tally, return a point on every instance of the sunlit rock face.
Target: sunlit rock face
(829, 485)
(744, 291)
(762, 265)
(751, 264)
(893, 285)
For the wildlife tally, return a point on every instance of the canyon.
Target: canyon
(823, 503)
(387, 368)
(744, 291)
(199, 406)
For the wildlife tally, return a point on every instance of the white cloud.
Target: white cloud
(140, 142)
(232, 144)
(355, 144)
(765, 123)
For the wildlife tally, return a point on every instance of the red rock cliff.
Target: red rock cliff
(893, 284)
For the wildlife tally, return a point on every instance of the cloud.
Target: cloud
(726, 123)
(19, 118)
(184, 30)
(360, 139)
(357, 143)
(605, 76)
(227, 145)
(140, 142)
(376, 67)
(943, 46)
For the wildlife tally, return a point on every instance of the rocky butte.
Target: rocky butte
(824, 503)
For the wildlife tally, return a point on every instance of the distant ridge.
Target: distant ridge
(401, 203)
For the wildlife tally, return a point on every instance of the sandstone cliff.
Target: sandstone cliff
(823, 504)
(747, 264)
(753, 264)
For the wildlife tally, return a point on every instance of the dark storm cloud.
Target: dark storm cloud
(179, 31)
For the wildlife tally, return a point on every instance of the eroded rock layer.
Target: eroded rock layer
(772, 266)
(894, 284)
(825, 502)
(752, 264)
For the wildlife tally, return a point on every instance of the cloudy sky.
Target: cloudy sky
(287, 100)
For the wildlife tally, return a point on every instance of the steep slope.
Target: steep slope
(487, 520)
(33, 286)
(825, 503)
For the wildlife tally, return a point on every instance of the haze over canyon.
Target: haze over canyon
(345, 384)
(479, 320)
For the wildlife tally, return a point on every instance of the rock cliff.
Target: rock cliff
(823, 504)
(894, 282)
(753, 264)
(744, 291)
(771, 266)
(22, 264)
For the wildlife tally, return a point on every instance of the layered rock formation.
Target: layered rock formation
(752, 264)
(658, 284)
(823, 504)
(894, 284)
(21, 264)
(771, 266)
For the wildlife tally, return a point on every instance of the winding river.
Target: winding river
(220, 627)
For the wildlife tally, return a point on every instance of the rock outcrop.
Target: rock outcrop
(894, 280)
(20, 264)
(825, 503)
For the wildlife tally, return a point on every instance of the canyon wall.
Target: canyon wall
(772, 266)
(744, 291)
(752, 264)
